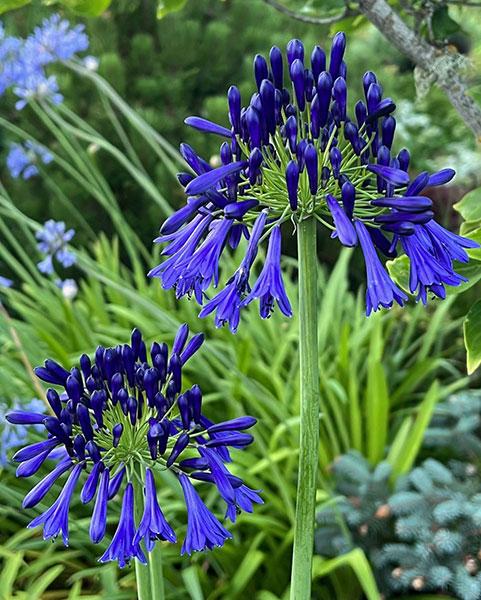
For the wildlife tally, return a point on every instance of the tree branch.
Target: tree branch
(440, 65)
(347, 12)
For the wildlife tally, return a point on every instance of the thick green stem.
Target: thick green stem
(310, 396)
(156, 576)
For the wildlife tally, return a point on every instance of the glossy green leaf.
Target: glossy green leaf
(472, 337)
(164, 7)
(469, 207)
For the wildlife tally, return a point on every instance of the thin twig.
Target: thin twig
(23, 356)
(312, 20)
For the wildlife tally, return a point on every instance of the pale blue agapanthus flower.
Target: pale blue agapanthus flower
(11, 436)
(23, 159)
(53, 239)
(23, 62)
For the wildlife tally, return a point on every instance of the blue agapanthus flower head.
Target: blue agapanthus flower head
(23, 62)
(116, 422)
(23, 159)
(53, 240)
(292, 152)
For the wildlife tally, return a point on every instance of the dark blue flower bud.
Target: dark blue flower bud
(52, 425)
(335, 157)
(400, 228)
(420, 218)
(66, 417)
(123, 398)
(361, 113)
(339, 92)
(180, 339)
(418, 184)
(93, 451)
(387, 131)
(115, 483)
(194, 344)
(254, 127)
(238, 440)
(184, 178)
(395, 176)
(195, 401)
(237, 210)
(295, 50)
(184, 409)
(291, 111)
(311, 160)
(83, 416)
(277, 67)
(135, 341)
(291, 133)
(261, 70)
(237, 424)
(117, 431)
(179, 446)
(194, 463)
(297, 76)
(207, 126)
(52, 372)
(404, 157)
(441, 177)
(324, 91)
(110, 363)
(54, 400)
(132, 406)
(373, 97)
(368, 78)
(79, 446)
(225, 153)
(318, 62)
(116, 383)
(405, 203)
(292, 182)
(85, 365)
(348, 197)
(315, 118)
(337, 53)
(255, 162)
(301, 148)
(267, 94)
(309, 85)
(325, 174)
(97, 401)
(234, 99)
(128, 360)
(175, 369)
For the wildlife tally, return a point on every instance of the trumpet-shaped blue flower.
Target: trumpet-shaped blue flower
(294, 152)
(125, 413)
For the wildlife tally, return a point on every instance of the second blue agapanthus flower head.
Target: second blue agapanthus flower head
(116, 423)
(294, 152)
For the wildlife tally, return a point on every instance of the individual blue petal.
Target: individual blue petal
(405, 203)
(204, 531)
(238, 423)
(90, 485)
